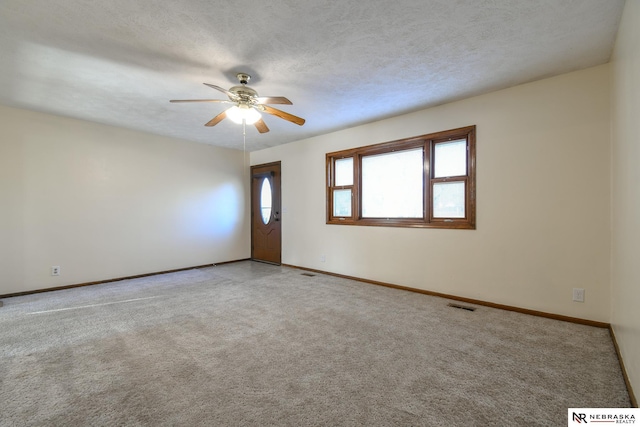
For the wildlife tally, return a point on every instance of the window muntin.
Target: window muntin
(434, 186)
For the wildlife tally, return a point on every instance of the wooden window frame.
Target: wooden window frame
(427, 143)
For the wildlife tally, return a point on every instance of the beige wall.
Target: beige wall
(543, 193)
(625, 307)
(104, 202)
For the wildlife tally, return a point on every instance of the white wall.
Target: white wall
(104, 202)
(625, 307)
(543, 189)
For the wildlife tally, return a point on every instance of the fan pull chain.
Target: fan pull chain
(244, 141)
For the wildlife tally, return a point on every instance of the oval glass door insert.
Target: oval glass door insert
(265, 201)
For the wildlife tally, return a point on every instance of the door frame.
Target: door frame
(276, 189)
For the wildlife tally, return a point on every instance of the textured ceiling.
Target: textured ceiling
(341, 63)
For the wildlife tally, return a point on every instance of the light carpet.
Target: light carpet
(250, 344)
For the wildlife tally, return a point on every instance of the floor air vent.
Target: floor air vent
(463, 307)
(308, 274)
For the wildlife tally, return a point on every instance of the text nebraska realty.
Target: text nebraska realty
(611, 418)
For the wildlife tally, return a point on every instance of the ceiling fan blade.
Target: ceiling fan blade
(283, 115)
(273, 100)
(261, 126)
(217, 119)
(226, 92)
(200, 100)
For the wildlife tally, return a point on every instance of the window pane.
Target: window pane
(265, 201)
(450, 158)
(342, 202)
(344, 171)
(392, 185)
(448, 200)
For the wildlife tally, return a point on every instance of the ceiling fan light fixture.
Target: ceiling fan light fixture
(241, 112)
(247, 106)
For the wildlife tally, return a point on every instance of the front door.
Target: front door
(265, 213)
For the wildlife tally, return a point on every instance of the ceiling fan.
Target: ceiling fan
(247, 105)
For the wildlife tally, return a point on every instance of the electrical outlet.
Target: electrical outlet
(578, 294)
(55, 270)
(323, 258)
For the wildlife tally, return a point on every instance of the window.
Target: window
(265, 201)
(425, 181)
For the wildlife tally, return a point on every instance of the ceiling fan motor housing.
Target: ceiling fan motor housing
(244, 92)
